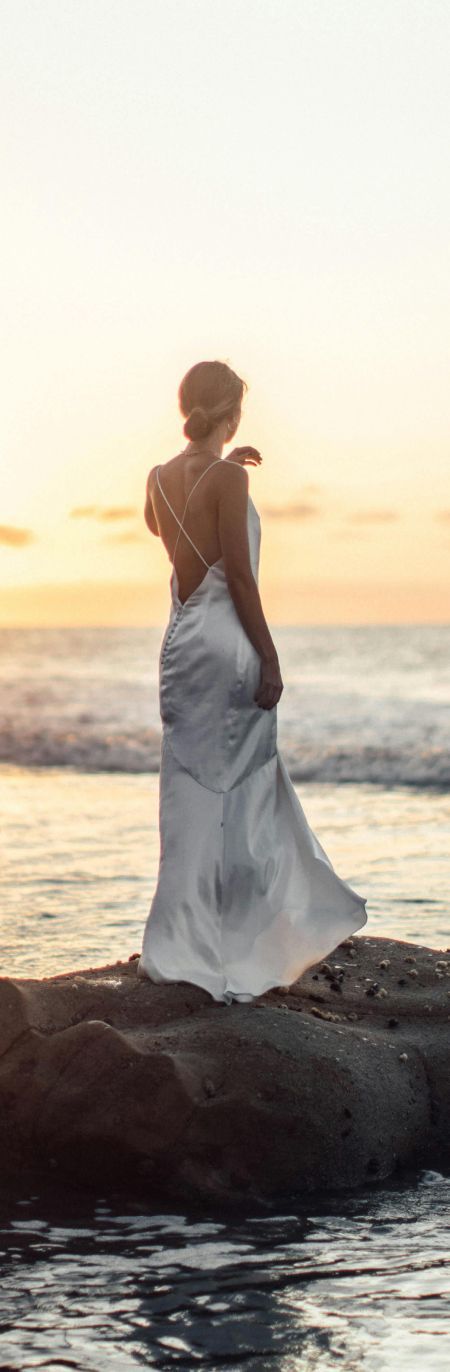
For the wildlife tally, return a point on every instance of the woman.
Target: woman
(246, 897)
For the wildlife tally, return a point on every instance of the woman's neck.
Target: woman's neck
(205, 449)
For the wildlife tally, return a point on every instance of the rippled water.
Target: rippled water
(93, 1283)
(101, 1286)
(80, 861)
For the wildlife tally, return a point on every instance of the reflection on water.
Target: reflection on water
(80, 861)
(92, 1283)
(356, 1283)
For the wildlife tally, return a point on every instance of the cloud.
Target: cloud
(104, 513)
(12, 537)
(118, 512)
(373, 516)
(128, 536)
(300, 509)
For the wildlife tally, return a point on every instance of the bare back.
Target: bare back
(200, 509)
(200, 519)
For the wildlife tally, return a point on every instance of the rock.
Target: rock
(109, 1079)
(324, 1014)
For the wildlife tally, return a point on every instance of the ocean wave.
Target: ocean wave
(84, 751)
(138, 751)
(385, 766)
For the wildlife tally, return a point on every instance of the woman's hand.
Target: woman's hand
(270, 685)
(246, 457)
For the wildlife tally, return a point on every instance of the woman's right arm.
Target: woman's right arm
(233, 536)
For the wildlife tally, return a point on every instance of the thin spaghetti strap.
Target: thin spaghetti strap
(196, 550)
(181, 528)
(180, 522)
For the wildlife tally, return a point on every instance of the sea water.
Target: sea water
(88, 1282)
(97, 1285)
(363, 724)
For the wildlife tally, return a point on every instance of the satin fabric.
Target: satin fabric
(246, 896)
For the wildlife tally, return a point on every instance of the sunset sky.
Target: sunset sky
(261, 181)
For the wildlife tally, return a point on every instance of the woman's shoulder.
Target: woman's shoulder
(234, 479)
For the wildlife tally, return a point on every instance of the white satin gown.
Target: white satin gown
(246, 897)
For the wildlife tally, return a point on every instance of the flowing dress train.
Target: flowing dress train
(246, 897)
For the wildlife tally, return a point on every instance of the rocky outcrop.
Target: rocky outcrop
(107, 1078)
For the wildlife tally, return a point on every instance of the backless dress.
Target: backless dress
(246, 897)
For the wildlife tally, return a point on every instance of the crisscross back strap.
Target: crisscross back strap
(180, 522)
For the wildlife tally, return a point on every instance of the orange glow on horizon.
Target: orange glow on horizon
(137, 605)
(317, 269)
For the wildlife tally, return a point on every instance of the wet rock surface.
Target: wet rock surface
(337, 1080)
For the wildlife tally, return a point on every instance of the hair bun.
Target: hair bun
(198, 423)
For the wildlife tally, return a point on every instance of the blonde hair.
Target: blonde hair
(208, 392)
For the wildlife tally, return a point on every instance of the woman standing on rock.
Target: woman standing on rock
(246, 897)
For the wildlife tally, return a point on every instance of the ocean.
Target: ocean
(363, 724)
(90, 1282)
